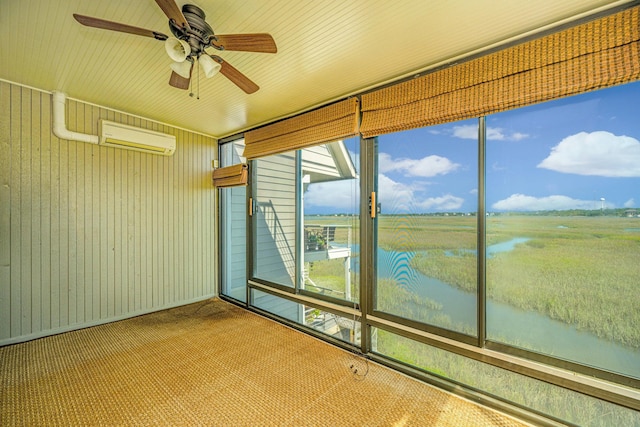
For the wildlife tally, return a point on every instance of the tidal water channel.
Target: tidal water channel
(525, 329)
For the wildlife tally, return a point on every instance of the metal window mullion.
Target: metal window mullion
(249, 227)
(368, 165)
(481, 242)
(299, 216)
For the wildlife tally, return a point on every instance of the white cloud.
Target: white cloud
(517, 136)
(493, 134)
(426, 167)
(629, 203)
(341, 195)
(398, 197)
(598, 153)
(447, 202)
(466, 131)
(394, 195)
(521, 202)
(474, 191)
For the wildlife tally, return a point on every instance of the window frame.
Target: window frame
(595, 382)
(329, 303)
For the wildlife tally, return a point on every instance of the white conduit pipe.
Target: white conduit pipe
(60, 127)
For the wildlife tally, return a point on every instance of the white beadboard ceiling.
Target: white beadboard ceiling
(327, 49)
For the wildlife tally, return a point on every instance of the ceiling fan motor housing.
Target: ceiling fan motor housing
(199, 35)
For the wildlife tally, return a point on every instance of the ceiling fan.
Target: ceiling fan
(192, 36)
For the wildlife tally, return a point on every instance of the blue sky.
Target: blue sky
(564, 154)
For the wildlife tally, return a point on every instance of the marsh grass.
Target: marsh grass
(329, 274)
(586, 275)
(420, 233)
(583, 271)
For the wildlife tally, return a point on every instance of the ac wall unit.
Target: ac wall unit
(128, 137)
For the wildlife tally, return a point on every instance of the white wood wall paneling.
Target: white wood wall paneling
(90, 234)
(5, 213)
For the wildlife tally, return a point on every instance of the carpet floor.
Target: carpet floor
(213, 364)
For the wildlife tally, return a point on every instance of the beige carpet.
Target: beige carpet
(213, 364)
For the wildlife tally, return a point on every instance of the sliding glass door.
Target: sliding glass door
(426, 228)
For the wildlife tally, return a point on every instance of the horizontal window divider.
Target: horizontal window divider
(329, 299)
(414, 324)
(270, 285)
(563, 364)
(338, 309)
(595, 387)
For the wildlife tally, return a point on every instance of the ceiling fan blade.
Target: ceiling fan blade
(236, 76)
(259, 42)
(116, 26)
(178, 81)
(171, 9)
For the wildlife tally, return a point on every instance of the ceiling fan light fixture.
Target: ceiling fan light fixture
(209, 66)
(183, 69)
(178, 50)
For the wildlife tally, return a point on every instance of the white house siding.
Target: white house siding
(275, 219)
(90, 234)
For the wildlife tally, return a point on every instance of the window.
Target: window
(274, 219)
(233, 228)
(305, 219)
(491, 246)
(472, 274)
(331, 188)
(426, 226)
(343, 328)
(563, 229)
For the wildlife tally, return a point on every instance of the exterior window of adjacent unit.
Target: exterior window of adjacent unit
(563, 229)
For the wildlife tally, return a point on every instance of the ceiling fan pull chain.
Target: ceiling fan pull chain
(191, 87)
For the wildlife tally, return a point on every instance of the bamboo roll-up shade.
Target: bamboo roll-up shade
(326, 124)
(597, 54)
(231, 176)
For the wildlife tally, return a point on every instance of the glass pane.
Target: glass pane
(331, 199)
(426, 228)
(275, 305)
(549, 399)
(563, 228)
(340, 327)
(274, 219)
(233, 246)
